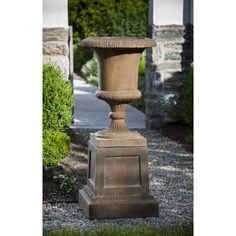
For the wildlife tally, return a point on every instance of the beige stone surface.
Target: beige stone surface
(71, 53)
(55, 48)
(56, 43)
(169, 65)
(116, 142)
(55, 34)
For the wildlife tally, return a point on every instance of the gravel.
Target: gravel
(171, 181)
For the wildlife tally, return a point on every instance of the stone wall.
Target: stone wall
(166, 67)
(57, 48)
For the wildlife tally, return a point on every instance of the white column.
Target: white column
(55, 13)
(170, 12)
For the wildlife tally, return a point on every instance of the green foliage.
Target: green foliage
(55, 147)
(57, 115)
(176, 230)
(105, 18)
(180, 104)
(108, 18)
(57, 99)
(142, 64)
(90, 71)
(140, 103)
(187, 101)
(81, 56)
(170, 104)
(65, 180)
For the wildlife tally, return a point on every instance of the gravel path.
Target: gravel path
(171, 181)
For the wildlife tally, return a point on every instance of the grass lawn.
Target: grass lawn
(177, 230)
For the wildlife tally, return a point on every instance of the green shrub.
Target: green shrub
(90, 71)
(55, 147)
(140, 103)
(180, 104)
(64, 180)
(170, 105)
(57, 99)
(142, 64)
(187, 102)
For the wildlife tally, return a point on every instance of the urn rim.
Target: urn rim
(118, 42)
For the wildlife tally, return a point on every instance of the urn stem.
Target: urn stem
(117, 115)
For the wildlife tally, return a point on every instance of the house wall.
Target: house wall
(170, 26)
(57, 36)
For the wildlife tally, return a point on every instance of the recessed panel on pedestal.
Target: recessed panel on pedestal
(122, 172)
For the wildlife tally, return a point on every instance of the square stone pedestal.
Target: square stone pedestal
(117, 180)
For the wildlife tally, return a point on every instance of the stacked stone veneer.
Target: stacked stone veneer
(57, 48)
(166, 67)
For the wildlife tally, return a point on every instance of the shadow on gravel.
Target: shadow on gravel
(178, 132)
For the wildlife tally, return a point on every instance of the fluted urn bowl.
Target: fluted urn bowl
(118, 61)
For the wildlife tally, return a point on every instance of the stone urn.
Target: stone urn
(117, 179)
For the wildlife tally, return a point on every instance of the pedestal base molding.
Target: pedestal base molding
(117, 206)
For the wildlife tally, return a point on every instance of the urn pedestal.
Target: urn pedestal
(117, 177)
